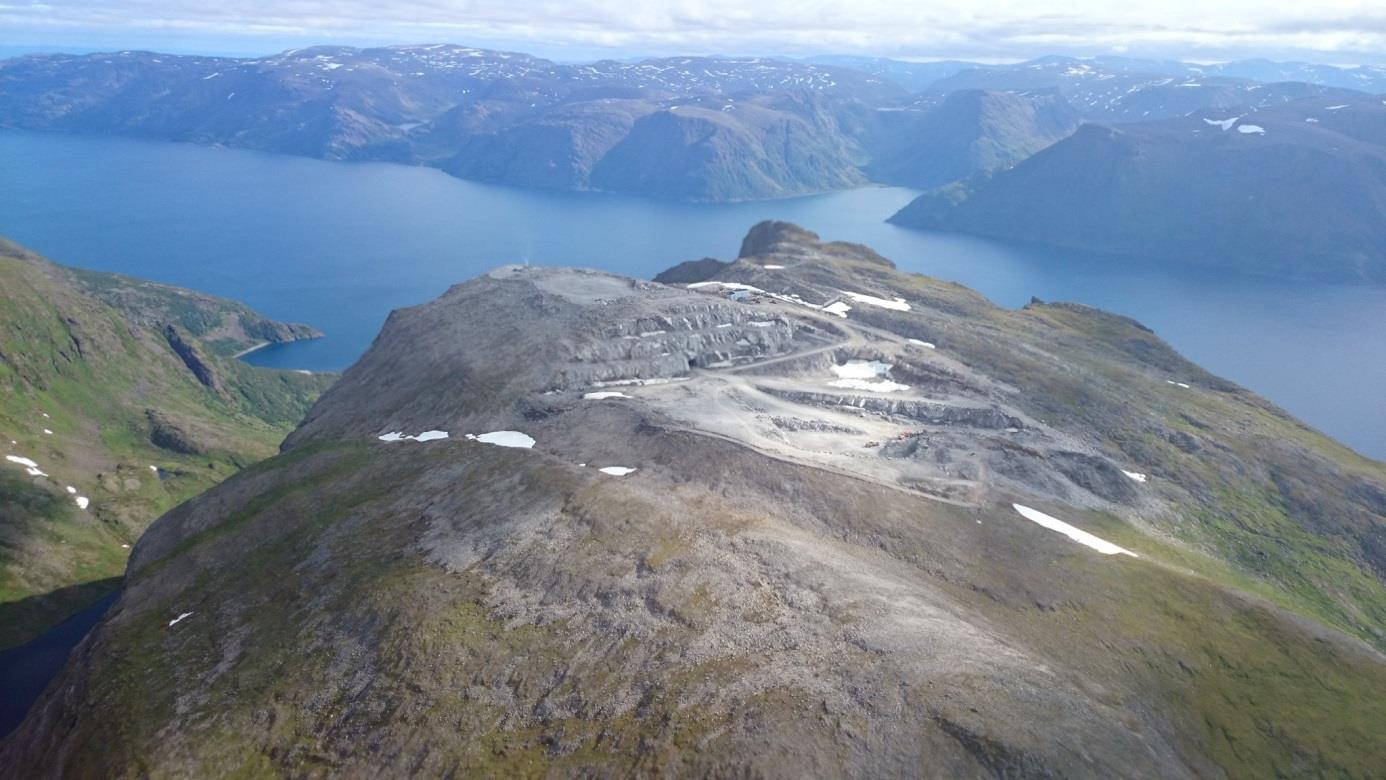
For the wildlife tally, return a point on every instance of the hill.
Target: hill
(805, 515)
(1295, 190)
(969, 132)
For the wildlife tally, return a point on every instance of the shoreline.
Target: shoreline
(255, 348)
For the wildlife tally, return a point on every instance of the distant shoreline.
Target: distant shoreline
(245, 352)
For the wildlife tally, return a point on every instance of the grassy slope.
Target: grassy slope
(95, 374)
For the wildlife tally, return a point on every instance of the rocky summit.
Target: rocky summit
(798, 514)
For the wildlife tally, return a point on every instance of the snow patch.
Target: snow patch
(923, 344)
(72, 490)
(773, 267)
(603, 395)
(837, 307)
(82, 502)
(862, 369)
(504, 439)
(659, 380)
(897, 304)
(1135, 475)
(30, 467)
(399, 436)
(1177, 384)
(179, 619)
(1251, 130)
(21, 461)
(1336, 108)
(616, 471)
(1076, 534)
(1225, 124)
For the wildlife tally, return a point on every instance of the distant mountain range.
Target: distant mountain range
(1297, 189)
(1105, 94)
(927, 76)
(688, 128)
(691, 128)
(1153, 179)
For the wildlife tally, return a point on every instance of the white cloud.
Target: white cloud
(988, 28)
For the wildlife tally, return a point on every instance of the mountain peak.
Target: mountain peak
(765, 237)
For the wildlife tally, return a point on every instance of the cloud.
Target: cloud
(985, 28)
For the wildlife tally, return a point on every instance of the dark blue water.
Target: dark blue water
(26, 670)
(338, 245)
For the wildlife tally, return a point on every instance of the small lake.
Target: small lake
(338, 245)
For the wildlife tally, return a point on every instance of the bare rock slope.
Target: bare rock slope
(806, 516)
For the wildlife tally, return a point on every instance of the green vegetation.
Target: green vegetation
(226, 327)
(132, 428)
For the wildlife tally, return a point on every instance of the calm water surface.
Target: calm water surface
(339, 245)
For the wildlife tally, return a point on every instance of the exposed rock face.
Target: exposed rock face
(691, 271)
(179, 436)
(192, 358)
(919, 411)
(744, 542)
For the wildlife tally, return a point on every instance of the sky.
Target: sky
(1332, 31)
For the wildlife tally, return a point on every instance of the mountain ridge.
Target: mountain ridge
(700, 129)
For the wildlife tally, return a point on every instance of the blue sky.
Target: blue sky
(1337, 31)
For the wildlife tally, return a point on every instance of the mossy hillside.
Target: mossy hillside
(1244, 682)
(82, 370)
(435, 648)
(1261, 693)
